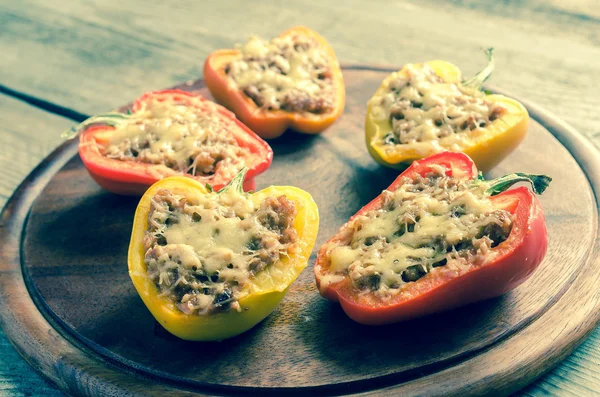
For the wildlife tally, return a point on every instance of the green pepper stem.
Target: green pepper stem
(237, 183)
(476, 81)
(113, 119)
(539, 183)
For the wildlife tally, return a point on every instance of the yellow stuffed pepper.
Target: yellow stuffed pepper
(211, 265)
(424, 109)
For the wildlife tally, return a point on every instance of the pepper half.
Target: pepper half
(134, 177)
(504, 267)
(260, 296)
(272, 123)
(486, 145)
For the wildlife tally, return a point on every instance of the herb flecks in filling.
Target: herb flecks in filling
(291, 73)
(421, 107)
(201, 253)
(183, 138)
(427, 223)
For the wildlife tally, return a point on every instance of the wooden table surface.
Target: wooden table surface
(66, 60)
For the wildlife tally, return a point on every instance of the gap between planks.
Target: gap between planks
(42, 104)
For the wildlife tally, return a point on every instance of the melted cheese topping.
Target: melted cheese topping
(202, 252)
(182, 138)
(421, 107)
(287, 73)
(426, 223)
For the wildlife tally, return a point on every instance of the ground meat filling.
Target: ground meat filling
(183, 138)
(202, 255)
(292, 74)
(422, 107)
(430, 222)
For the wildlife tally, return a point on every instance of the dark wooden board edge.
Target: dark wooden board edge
(76, 370)
(356, 386)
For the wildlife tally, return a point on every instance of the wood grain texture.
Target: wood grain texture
(104, 292)
(93, 56)
(27, 136)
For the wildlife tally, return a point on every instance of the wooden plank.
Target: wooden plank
(16, 376)
(95, 55)
(27, 135)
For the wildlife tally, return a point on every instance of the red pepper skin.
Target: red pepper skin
(516, 259)
(133, 178)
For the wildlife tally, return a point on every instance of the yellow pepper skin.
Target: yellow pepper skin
(259, 298)
(486, 146)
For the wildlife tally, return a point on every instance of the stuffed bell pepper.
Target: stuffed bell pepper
(170, 133)
(211, 265)
(440, 236)
(293, 81)
(425, 108)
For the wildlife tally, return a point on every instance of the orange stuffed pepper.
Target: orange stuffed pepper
(293, 81)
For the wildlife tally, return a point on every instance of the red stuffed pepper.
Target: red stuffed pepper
(168, 133)
(439, 237)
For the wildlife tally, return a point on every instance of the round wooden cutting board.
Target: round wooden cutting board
(68, 306)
